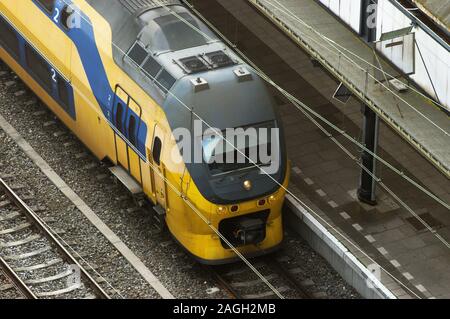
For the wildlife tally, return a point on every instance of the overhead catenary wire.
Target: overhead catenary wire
(178, 193)
(55, 233)
(401, 173)
(438, 102)
(387, 88)
(197, 212)
(167, 182)
(379, 68)
(190, 204)
(293, 99)
(412, 17)
(289, 192)
(299, 104)
(378, 180)
(293, 195)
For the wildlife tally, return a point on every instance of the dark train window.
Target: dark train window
(165, 81)
(49, 5)
(137, 54)
(119, 116)
(152, 67)
(132, 130)
(39, 67)
(157, 147)
(8, 38)
(63, 93)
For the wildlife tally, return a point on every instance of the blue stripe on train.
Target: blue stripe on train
(84, 39)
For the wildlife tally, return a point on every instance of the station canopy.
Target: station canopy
(438, 10)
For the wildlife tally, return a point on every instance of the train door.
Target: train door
(133, 124)
(119, 119)
(158, 171)
(127, 121)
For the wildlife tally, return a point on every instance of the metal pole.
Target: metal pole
(367, 188)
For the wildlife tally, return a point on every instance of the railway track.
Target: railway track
(288, 279)
(11, 286)
(33, 262)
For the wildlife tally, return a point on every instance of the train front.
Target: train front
(236, 162)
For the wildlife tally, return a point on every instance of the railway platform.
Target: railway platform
(414, 256)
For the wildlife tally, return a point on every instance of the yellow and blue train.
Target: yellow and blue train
(123, 75)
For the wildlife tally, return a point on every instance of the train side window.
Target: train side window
(39, 67)
(165, 81)
(119, 116)
(152, 67)
(137, 53)
(132, 130)
(48, 5)
(63, 93)
(8, 38)
(157, 147)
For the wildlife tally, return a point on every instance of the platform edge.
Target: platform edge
(335, 252)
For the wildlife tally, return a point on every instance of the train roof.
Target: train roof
(152, 41)
(205, 77)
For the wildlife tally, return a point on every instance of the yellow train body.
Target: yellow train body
(169, 184)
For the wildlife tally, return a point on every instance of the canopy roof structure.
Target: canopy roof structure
(438, 10)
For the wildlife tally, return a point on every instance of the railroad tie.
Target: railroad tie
(9, 216)
(15, 229)
(29, 254)
(20, 242)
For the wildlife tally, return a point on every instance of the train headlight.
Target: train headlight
(272, 198)
(221, 209)
(247, 185)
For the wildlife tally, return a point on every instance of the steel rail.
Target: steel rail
(36, 221)
(17, 282)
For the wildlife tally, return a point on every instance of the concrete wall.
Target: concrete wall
(339, 257)
(436, 58)
(347, 10)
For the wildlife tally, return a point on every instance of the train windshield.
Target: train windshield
(173, 29)
(240, 149)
